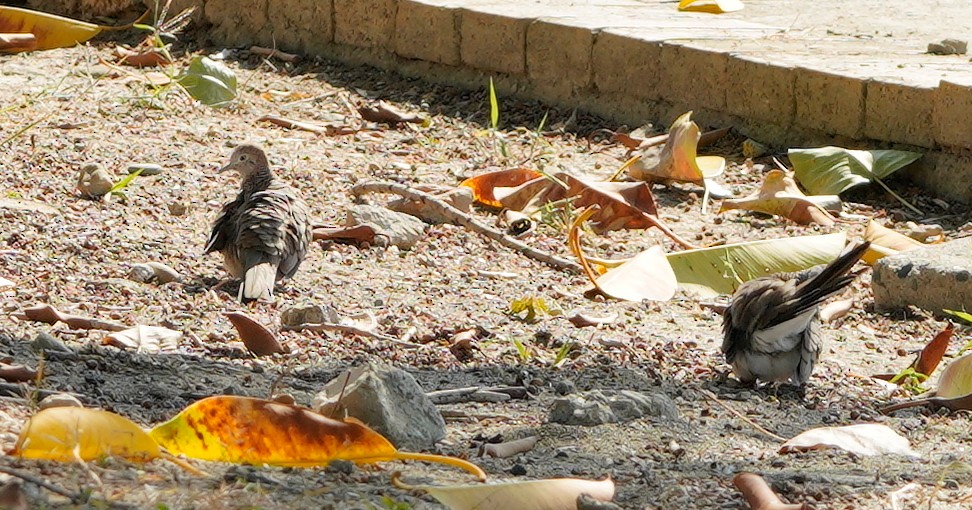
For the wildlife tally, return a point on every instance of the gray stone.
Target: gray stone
(45, 341)
(597, 407)
(934, 278)
(308, 313)
(402, 230)
(388, 400)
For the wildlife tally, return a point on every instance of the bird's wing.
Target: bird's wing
(812, 344)
(752, 309)
(224, 228)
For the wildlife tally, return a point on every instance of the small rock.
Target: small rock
(308, 313)
(45, 341)
(564, 387)
(148, 169)
(948, 47)
(388, 400)
(460, 197)
(153, 272)
(518, 470)
(177, 208)
(597, 407)
(94, 181)
(344, 467)
(402, 230)
(59, 400)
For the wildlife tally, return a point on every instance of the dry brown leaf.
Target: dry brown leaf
(50, 315)
(931, 355)
(677, 160)
(550, 494)
(357, 234)
(147, 57)
(780, 196)
(885, 241)
(17, 373)
(483, 185)
(150, 339)
(386, 113)
(258, 339)
(836, 310)
(294, 124)
(864, 439)
(760, 496)
(510, 448)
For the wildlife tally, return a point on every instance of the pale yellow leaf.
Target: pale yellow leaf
(864, 439)
(956, 379)
(552, 494)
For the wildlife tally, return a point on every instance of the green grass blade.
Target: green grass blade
(493, 106)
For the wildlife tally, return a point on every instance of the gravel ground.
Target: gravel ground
(74, 110)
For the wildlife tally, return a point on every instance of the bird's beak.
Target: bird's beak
(226, 168)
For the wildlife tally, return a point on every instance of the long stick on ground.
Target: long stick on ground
(460, 218)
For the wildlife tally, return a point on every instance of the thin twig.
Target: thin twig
(742, 417)
(460, 218)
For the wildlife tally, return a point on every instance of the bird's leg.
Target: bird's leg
(222, 283)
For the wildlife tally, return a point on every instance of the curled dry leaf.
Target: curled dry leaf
(386, 113)
(150, 339)
(780, 196)
(153, 271)
(50, 315)
(931, 355)
(760, 496)
(146, 57)
(17, 373)
(677, 159)
(836, 310)
(551, 494)
(885, 241)
(517, 223)
(258, 339)
(510, 448)
(357, 234)
(483, 185)
(864, 439)
(463, 345)
(255, 431)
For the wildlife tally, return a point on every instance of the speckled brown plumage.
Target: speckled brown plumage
(264, 233)
(772, 327)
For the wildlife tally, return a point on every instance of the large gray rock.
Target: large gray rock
(402, 230)
(597, 407)
(934, 278)
(388, 400)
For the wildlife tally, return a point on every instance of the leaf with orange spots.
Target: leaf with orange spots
(254, 431)
(484, 184)
(69, 434)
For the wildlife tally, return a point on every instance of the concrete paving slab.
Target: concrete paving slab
(935, 278)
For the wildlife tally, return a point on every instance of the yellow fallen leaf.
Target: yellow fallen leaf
(956, 379)
(780, 196)
(246, 430)
(710, 6)
(69, 434)
(885, 241)
(49, 30)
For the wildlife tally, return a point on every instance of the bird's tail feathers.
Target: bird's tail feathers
(833, 277)
(258, 282)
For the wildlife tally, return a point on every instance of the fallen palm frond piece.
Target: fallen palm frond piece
(460, 218)
(760, 496)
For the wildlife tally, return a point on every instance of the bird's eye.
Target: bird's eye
(244, 157)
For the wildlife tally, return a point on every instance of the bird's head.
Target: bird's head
(247, 159)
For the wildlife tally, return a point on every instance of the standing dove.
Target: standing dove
(772, 327)
(264, 233)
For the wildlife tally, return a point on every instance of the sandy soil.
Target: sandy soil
(72, 110)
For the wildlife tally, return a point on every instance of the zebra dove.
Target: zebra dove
(772, 327)
(264, 233)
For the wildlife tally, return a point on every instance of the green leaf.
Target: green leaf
(211, 82)
(493, 106)
(125, 181)
(833, 170)
(721, 269)
(967, 317)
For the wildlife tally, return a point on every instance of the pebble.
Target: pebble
(148, 169)
(59, 400)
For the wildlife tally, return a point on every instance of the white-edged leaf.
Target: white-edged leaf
(211, 82)
(647, 275)
(833, 170)
(150, 339)
(552, 494)
(864, 439)
(721, 269)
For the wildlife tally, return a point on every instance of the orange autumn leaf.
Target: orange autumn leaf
(254, 431)
(932, 354)
(484, 184)
(69, 434)
(780, 196)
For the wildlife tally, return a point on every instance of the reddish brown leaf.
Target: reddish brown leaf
(50, 315)
(388, 114)
(357, 234)
(483, 185)
(17, 373)
(932, 354)
(257, 338)
(151, 57)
